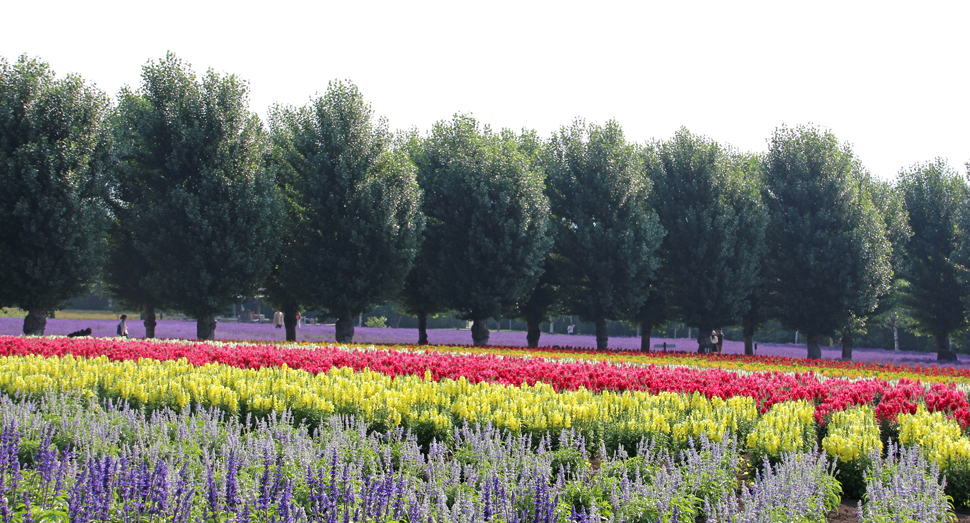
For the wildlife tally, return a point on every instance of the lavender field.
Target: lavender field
(183, 329)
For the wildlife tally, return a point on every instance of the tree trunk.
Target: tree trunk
(896, 337)
(534, 331)
(645, 328)
(748, 334)
(422, 328)
(814, 346)
(480, 332)
(289, 321)
(704, 343)
(943, 352)
(602, 336)
(205, 327)
(397, 324)
(345, 328)
(150, 322)
(847, 345)
(35, 322)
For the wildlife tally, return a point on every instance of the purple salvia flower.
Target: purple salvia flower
(286, 507)
(159, 489)
(232, 492)
(264, 485)
(27, 514)
(61, 472)
(143, 486)
(212, 490)
(6, 514)
(77, 498)
(182, 491)
(46, 457)
(242, 513)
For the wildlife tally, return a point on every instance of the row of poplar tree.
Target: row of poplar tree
(175, 196)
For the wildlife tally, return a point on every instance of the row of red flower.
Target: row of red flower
(767, 388)
(690, 358)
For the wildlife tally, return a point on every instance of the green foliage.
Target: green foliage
(353, 219)
(828, 256)
(376, 322)
(934, 196)
(487, 231)
(544, 301)
(709, 202)
(888, 198)
(606, 234)
(586, 495)
(569, 461)
(128, 269)
(54, 151)
(207, 210)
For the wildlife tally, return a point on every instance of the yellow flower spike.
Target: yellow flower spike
(940, 438)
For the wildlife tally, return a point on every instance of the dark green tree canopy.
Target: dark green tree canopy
(606, 233)
(708, 200)
(354, 219)
(487, 218)
(54, 152)
(828, 254)
(544, 300)
(193, 164)
(888, 199)
(934, 195)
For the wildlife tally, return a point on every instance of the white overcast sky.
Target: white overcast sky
(891, 78)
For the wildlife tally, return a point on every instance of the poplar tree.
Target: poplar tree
(709, 202)
(54, 153)
(828, 255)
(353, 209)
(192, 175)
(606, 233)
(544, 301)
(934, 196)
(889, 202)
(487, 221)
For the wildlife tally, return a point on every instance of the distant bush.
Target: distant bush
(379, 322)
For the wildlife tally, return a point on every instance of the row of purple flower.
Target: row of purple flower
(66, 459)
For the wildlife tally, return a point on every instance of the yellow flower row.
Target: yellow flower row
(786, 427)
(940, 438)
(853, 434)
(380, 399)
(421, 402)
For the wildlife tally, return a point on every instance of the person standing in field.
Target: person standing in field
(123, 326)
(299, 318)
(720, 340)
(278, 319)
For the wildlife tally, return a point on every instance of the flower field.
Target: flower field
(117, 430)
